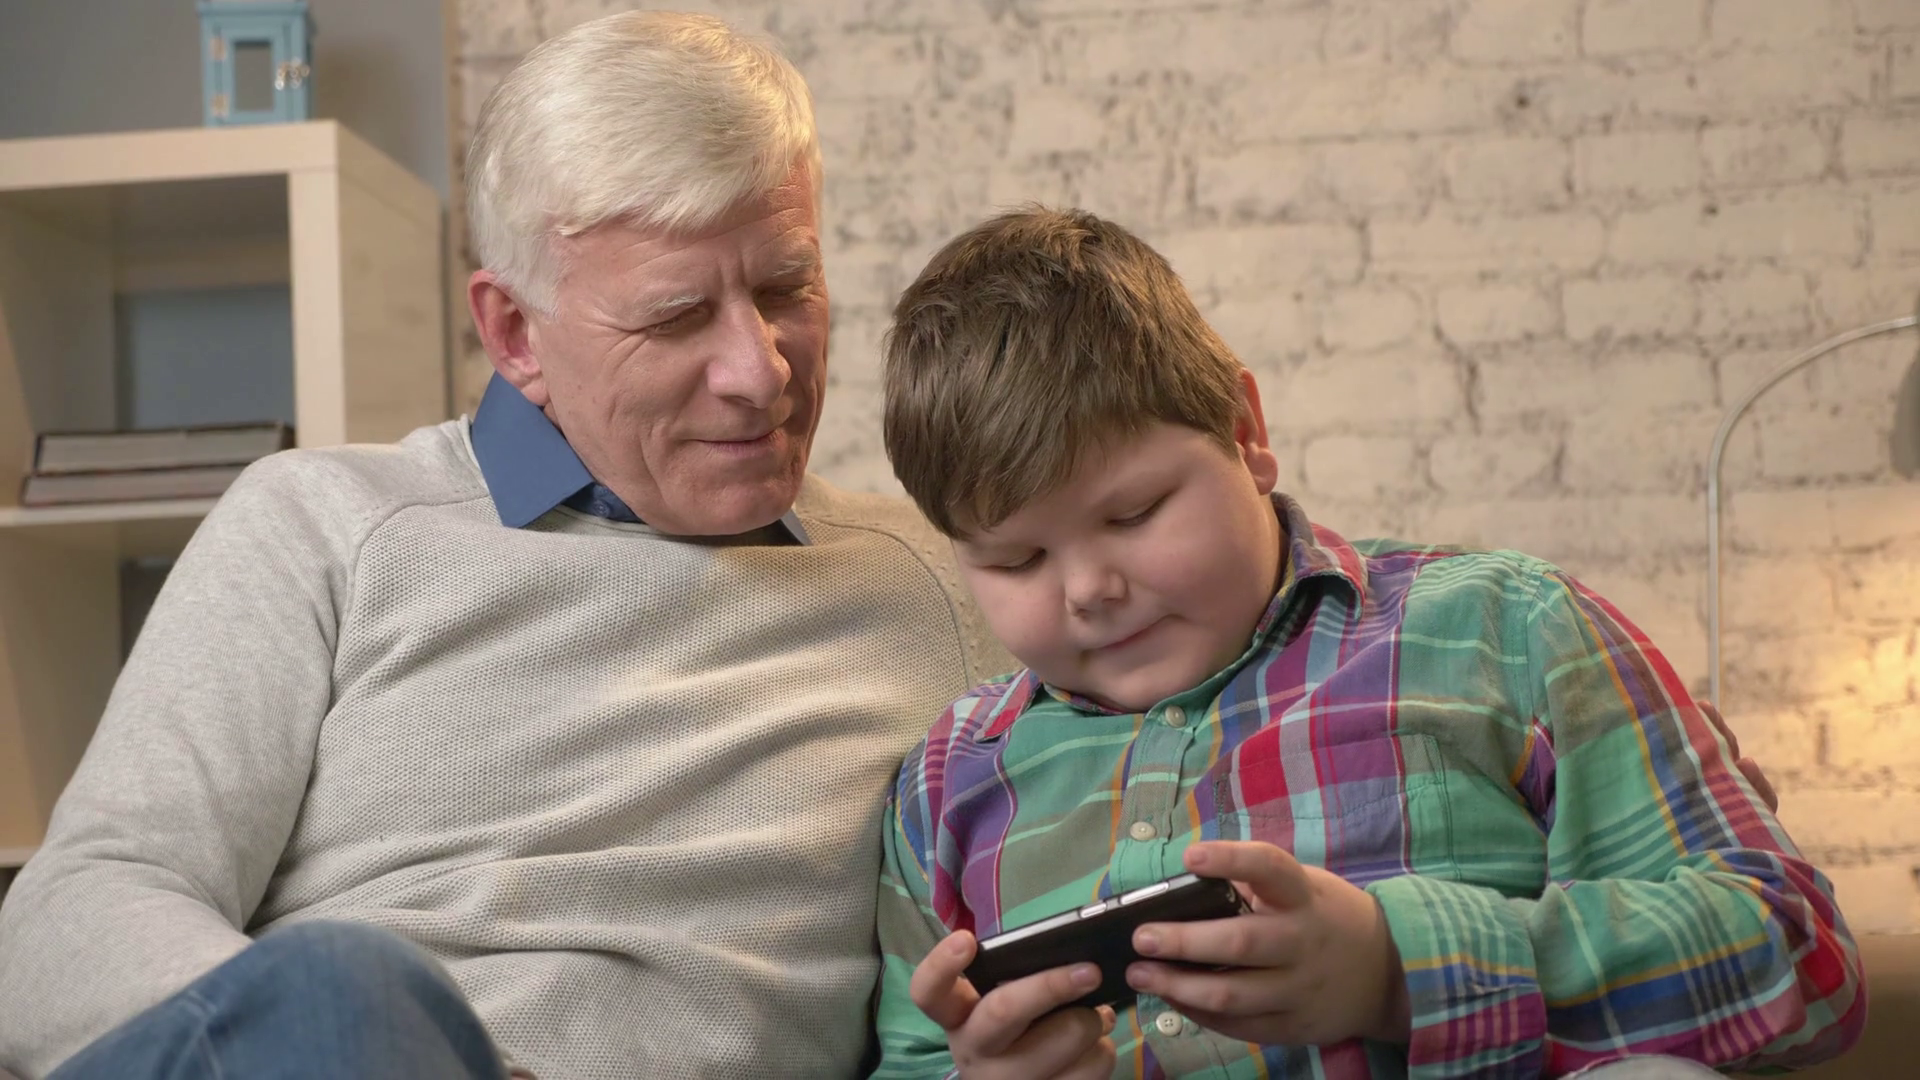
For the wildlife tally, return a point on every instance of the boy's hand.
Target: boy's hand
(1748, 767)
(1008, 1034)
(1314, 962)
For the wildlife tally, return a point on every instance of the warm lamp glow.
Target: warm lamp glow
(1905, 448)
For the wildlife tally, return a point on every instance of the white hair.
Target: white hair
(662, 119)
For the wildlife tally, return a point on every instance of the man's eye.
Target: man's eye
(787, 294)
(674, 323)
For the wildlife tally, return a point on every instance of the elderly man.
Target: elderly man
(561, 734)
(594, 698)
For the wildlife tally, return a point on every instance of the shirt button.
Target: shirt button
(1168, 1023)
(1176, 716)
(1142, 831)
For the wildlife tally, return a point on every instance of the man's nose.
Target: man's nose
(748, 366)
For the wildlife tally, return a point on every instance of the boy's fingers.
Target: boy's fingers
(1216, 993)
(1095, 1064)
(1275, 877)
(1762, 786)
(1058, 1045)
(1002, 1017)
(937, 986)
(1251, 941)
(1712, 713)
(1748, 767)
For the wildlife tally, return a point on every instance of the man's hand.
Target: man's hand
(1009, 1033)
(1748, 767)
(1313, 964)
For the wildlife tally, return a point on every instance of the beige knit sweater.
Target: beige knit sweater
(626, 787)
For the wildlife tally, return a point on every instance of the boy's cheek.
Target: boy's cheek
(1020, 621)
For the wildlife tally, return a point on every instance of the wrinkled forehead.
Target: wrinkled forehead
(774, 236)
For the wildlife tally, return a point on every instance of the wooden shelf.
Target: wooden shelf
(355, 237)
(356, 240)
(12, 858)
(158, 528)
(34, 517)
(197, 207)
(161, 214)
(146, 158)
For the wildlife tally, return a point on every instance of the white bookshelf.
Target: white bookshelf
(356, 240)
(32, 517)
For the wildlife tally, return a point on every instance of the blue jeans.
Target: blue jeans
(318, 999)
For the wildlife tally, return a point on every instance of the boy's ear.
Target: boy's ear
(1250, 434)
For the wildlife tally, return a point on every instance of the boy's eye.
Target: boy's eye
(1140, 518)
(1028, 563)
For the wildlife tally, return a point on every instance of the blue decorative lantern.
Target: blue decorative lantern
(258, 61)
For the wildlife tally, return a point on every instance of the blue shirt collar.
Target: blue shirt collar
(530, 469)
(526, 462)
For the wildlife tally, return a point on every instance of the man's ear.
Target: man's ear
(1250, 434)
(505, 334)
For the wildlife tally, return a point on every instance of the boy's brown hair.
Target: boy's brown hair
(1030, 342)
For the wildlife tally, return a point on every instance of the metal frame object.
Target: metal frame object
(1727, 422)
(285, 29)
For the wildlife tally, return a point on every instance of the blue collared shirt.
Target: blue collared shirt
(530, 469)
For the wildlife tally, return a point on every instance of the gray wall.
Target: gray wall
(74, 66)
(82, 66)
(174, 346)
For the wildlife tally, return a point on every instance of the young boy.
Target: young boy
(1484, 829)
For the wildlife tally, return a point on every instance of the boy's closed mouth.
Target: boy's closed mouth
(1132, 638)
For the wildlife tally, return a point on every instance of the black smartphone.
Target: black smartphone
(1101, 933)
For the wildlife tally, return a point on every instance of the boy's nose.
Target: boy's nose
(1090, 587)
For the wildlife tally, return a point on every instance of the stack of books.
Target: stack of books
(120, 466)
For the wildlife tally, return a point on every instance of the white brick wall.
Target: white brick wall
(1647, 164)
(1651, 305)
(1621, 27)
(1488, 314)
(1498, 264)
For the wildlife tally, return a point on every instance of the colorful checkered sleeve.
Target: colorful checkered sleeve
(1678, 918)
(911, 1045)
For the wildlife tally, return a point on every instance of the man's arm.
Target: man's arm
(1678, 918)
(161, 847)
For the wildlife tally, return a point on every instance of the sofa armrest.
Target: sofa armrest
(1891, 1043)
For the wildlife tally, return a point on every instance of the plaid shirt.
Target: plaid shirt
(1569, 865)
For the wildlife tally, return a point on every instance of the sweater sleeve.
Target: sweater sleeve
(1677, 919)
(162, 845)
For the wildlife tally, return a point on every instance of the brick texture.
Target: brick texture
(1498, 266)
